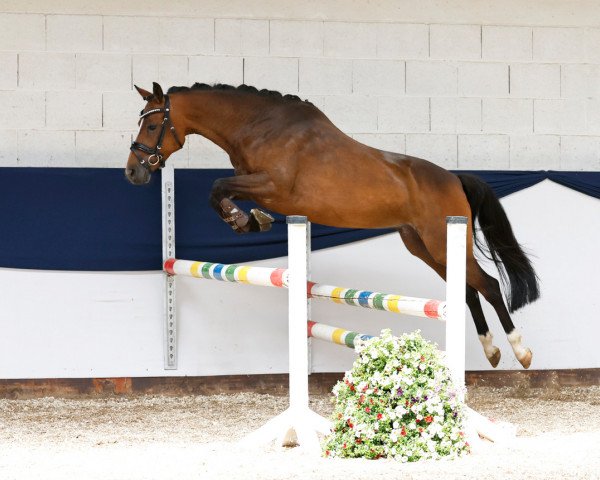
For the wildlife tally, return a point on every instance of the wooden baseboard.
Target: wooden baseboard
(274, 384)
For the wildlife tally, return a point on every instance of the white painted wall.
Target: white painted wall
(62, 324)
(467, 84)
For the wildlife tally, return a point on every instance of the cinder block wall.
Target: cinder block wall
(473, 87)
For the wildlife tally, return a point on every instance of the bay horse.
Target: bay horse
(290, 158)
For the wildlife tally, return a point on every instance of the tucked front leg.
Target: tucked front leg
(242, 187)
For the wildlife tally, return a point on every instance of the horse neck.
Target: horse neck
(217, 115)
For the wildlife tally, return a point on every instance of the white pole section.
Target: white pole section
(456, 259)
(168, 244)
(298, 311)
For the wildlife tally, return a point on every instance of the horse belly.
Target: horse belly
(352, 205)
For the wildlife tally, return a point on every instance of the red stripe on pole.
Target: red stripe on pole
(277, 277)
(309, 326)
(431, 309)
(168, 266)
(309, 287)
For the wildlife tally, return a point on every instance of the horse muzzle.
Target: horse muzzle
(137, 175)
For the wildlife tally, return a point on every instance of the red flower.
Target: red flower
(365, 388)
(371, 400)
(358, 440)
(403, 432)
(379, 416)
(461, 434)
(429, 419)
(422, 358)
(344, 445)
(327, 453)
(367, 409)
(420, 430)
(351, 387)
(361, 399)
(349, 423)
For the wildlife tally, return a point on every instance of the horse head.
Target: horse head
(157, 138)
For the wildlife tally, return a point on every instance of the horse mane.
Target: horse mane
(241, 88)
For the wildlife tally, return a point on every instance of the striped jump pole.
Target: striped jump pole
(279, 277)
(331, 334)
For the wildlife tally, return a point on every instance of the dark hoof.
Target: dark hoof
(494, 359)
(260, 221)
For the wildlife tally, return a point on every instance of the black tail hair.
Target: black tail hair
(516, 272)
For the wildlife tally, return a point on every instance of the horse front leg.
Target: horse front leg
(242, 187)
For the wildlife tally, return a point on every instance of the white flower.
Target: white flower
(396, 424)
(400, 411)
(435, 429)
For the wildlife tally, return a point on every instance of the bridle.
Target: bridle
(147, 162)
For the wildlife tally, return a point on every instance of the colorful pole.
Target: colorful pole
(335, 335)
(279, 277)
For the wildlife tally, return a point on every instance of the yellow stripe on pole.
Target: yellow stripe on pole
(242, 274)
(194, 269)
(336, 336)
(392, 303)
(336, 295)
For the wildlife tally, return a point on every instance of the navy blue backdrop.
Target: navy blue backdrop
(93, 219)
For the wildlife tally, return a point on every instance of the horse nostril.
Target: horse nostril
(129, 172)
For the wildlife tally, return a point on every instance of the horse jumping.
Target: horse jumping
(290, 158)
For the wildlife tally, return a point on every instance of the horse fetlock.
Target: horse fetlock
(492, 352)
(523, 354)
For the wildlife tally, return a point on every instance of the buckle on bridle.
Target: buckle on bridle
(158, 159)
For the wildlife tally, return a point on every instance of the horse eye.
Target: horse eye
(151, 127)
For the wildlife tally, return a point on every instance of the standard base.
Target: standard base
(293, 427)
(480, 426)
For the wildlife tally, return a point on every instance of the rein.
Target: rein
(147, 163)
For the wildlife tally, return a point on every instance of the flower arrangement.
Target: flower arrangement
(398, 401)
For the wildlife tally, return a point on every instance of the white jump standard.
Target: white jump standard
(299, 418)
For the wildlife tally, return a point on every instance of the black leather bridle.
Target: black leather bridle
(147, 163)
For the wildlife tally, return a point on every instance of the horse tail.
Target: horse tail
(516, 272)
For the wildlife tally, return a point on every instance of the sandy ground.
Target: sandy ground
(194, 437)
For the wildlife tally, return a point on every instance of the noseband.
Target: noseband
(147, 162)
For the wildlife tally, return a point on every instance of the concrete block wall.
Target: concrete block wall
(493, 92)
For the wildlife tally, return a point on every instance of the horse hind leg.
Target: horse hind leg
(415, 245)
(489, 287)
(492, 352)
(241, 187)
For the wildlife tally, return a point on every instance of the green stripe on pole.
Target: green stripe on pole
(378, 301)
(205, 270)
(349, 340)
(350, 296)
(230, 273)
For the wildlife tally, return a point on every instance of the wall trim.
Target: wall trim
(274, 384)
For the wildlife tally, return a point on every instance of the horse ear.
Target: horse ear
(157, 90)
(144, 93)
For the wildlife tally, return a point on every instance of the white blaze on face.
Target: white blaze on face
(488, 347)
(515, 338)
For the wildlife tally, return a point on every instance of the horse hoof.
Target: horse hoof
(525, 360)
(494, 358)
(260, 221)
